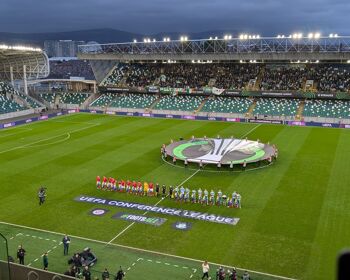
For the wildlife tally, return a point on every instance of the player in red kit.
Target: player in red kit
(104, 183)
(98, 182)
(151, 189)
(122, 186)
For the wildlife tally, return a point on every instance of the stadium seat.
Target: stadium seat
(179, 103)
(133, 101)
(227, 105)
(276, 107)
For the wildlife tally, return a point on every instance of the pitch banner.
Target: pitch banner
(161, 210)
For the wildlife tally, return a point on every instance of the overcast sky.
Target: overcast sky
(266, 17)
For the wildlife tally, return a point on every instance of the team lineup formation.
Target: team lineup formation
(177, 193)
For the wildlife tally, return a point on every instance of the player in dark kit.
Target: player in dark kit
(171, 191)
(163, 190)
(157, 189)
(42, 195)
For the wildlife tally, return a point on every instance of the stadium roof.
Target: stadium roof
(15, 57)
(294, 47)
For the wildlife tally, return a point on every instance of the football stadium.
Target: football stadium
(173, 152)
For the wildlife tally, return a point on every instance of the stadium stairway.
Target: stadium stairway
(89, 100)
(154, 103)
(300, 110)
(57, 99)
(259, 79)
(251, 109)
(201, 105)
(39, 99)
(108, 74)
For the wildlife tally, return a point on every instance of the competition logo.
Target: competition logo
(223, 150)
(182, 226)
(154, 221)
(200, 216)
(98, 212)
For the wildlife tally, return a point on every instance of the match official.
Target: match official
(66, 242)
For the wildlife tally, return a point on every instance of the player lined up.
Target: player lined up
(179, 194)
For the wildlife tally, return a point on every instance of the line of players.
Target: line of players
(179, 194)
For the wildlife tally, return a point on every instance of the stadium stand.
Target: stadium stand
(227, 105)
(283, 78)
(49, 97)
(183, 75)
(234, 76)
(8, 89)
(71, 68)
(104, 100)
(276, 107)
(179, 103)
(142, 75)
(7, 105)
(116, 76)
(333, 78)
(32, 103)
(133, 101)
(73, 97)
(327, 108)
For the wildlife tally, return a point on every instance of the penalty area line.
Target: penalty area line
(46, 139)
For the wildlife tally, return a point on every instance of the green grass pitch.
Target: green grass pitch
(295, 216)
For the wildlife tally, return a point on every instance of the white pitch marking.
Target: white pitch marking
(128, 268)
(149, 260)
(140, 259)
(149, 251)
(158, 262)
(35, 260)
(185, 267)
(19, 234)
(133, 264)
(167, 263)
(45, 139)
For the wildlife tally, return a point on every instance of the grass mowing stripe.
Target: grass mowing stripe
(144, 251)
(46, 139)
(184, 181)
